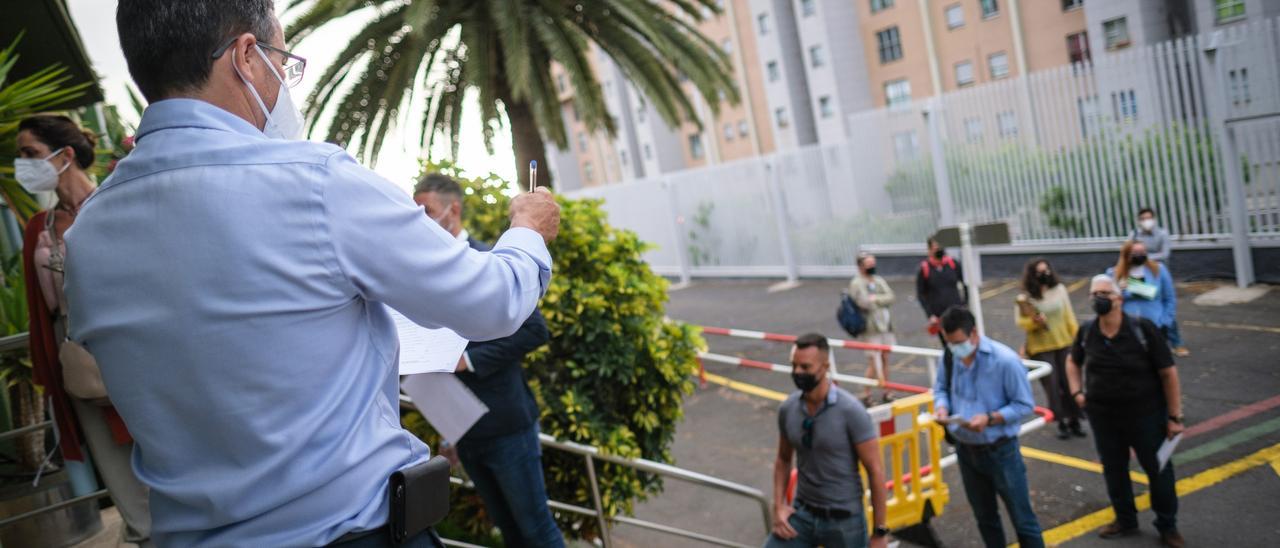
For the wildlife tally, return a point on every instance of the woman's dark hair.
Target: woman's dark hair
(1031, 281)
(57, 131)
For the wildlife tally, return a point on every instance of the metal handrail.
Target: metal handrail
(25, 430)
(591, 454)
(13, 342)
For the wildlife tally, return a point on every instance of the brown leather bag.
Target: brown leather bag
(81, 376)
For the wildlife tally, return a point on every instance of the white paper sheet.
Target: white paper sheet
(1165, 452)
(425, 350)
(926, 418)
(445, 402)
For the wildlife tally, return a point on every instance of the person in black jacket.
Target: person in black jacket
(939, 284)
(500, 453)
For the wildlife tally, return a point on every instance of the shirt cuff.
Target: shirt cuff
(467, 358)
(529, 241)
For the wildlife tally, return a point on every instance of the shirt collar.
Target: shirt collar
(463, 235)
(192, 113)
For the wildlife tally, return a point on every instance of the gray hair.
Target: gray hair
(169, 44)
(439, 183)
(1104, 279)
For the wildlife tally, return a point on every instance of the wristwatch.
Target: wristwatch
(991, 418)
(1176, 418)
(879, 531)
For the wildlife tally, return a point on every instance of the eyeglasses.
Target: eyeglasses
(294, 66)
(807, 438)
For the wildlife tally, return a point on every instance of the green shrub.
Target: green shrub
(616, 370)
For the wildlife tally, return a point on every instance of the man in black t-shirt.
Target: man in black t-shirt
(939, 284)
(1133, 401)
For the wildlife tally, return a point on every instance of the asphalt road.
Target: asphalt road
(731, 434)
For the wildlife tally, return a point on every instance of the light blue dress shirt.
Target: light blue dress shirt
(234, 290)
(996, 381)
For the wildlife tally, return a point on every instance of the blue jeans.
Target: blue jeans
(507, 471)
(1113, 435)
(999, 471)
(850, 532)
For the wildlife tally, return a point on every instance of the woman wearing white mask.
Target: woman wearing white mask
(53, 155)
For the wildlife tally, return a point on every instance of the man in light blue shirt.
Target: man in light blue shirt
(235, 288)
(988, 387)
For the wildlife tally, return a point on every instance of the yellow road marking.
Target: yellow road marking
(1185, 486)
(746, 388)
(1275, 465)
(1077, 285)
(1074, 462)
(1240, 326)
(998, 290)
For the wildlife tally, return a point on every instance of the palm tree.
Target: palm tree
(503, 50)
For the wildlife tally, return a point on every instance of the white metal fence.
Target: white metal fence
(1064, 155)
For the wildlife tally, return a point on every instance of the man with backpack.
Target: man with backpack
(939, 284)
(1133, 400)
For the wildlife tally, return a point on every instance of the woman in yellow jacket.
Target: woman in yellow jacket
(1044, 311)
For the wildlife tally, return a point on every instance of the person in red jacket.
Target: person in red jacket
(53, 155)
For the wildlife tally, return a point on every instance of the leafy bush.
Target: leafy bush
(615, 372)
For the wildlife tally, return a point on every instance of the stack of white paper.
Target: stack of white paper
(428, 358)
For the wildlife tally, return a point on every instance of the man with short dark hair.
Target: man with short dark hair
(988, 388)
(1134, 401)
(939, 284)
(501, 452)
(234, 285)
(830, 433)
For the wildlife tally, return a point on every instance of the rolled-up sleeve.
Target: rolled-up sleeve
(391, 252)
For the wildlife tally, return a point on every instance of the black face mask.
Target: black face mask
(939, 254)
(805, 381)
(871, 271)
(1045, 278)
(1102, 305)
(1138, 260)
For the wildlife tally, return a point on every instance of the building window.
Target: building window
(640, 113)
(816, 57)
(1008, 123)
(999, 64)
(807, 7)
(906, 146)
(588, 173)
(964, 73)
(560, 85)
(573, 106)
(824, 107)
(622, 154)
(728, 132)
(1239, 84)
(890, 44)
(897, 93)
(1116, 32)
(1068, 5)
(772, 68)
(955, 16)
(973, 130)
(1078, 48)
(743, 131)
(1228, 10)
(695, 146)
(990, 8)
(727, 46)
(648, 152)
(762, 21)
(877, 5)
(1124, 105)
(780, 116)
(582, 142)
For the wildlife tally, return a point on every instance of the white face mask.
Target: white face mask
(1147, 224)
(285, 120)
(38, 175)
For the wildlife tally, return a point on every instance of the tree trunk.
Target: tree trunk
(30, 411)
(526, 141)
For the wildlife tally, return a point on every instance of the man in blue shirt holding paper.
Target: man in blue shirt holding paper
(233, 285)
(988, 388)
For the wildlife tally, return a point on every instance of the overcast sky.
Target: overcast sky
(399, 159)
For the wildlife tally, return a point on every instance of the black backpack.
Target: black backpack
(850, 316)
